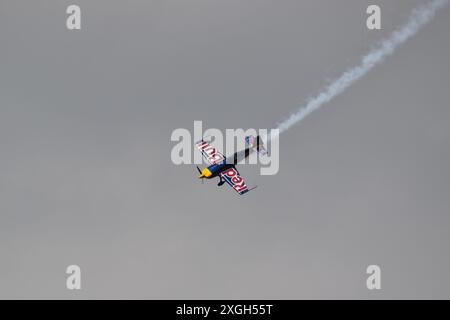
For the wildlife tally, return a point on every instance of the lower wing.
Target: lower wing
(234, 180)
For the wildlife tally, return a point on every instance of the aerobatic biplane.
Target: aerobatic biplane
(225, 168)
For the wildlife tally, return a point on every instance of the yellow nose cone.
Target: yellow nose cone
(205, 173)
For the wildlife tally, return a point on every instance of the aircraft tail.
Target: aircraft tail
(257, 143)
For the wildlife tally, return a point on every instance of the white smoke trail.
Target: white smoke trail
(419, 17)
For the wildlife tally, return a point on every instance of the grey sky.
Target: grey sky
(86, 176)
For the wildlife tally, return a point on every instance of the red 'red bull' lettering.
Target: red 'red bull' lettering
(210, 152)
(237, 181)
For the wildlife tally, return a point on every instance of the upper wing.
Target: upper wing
(234, 179)
(209, 152)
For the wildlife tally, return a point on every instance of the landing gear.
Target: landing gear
(221, 182)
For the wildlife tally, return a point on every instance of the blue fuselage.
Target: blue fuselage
(217, 168)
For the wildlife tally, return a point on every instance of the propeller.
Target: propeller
(200, 171)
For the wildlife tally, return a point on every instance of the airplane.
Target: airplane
(225, 168)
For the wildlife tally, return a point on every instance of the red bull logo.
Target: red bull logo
(236, 180)
(213, 155)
